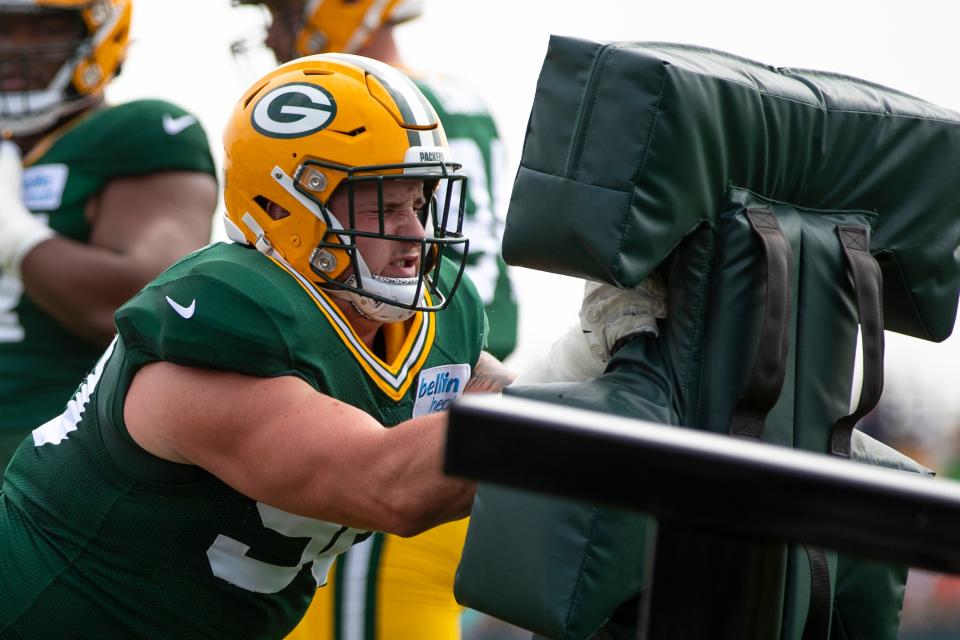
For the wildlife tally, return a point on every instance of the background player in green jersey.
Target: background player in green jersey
(95, 200)
(391, 587)
(231, 440)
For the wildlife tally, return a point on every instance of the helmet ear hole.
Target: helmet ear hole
(271, 208)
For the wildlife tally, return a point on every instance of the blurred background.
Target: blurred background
(181, 51)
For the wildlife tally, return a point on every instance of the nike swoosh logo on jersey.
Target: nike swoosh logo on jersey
(173, 126)
(184, 312)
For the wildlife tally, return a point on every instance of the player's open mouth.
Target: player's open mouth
(404, 267)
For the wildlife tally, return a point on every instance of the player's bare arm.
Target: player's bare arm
(278, 441)
(489, 376)
(141, 225)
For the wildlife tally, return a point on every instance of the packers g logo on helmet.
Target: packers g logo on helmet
(294, 110)
(333, 122)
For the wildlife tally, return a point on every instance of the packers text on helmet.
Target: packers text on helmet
(337, 124)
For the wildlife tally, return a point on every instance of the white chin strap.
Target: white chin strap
(399, 290)
(36, 122)
(25, 113)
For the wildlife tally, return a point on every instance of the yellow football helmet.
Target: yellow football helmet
(332, 121)
(346, 25)
(92, 59)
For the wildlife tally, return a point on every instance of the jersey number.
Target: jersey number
(228, 557)
(229, 560)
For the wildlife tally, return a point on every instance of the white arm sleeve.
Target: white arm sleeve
(607, 315)
(570, 360)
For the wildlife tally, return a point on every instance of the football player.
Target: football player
(391, 587)
(365, 27)
(231, 440)
(95, 200)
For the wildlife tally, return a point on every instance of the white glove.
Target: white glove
(20, 230)
(609, 315)
(569, 360)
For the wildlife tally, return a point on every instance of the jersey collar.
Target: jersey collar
(407, 343)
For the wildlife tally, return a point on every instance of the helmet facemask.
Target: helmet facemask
(250, 49)
(379, 297)
(73, 69)
(31, 106)
(313, 27)
(315, 157)
(348, 25)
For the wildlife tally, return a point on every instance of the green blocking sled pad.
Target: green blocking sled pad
(642, 156)
(631, 145)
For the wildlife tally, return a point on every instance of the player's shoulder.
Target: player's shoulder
(144, 107)
(230, 274)
(137, 137)
(224, 275)
(218, 307)
(223, 262)
(147, 117)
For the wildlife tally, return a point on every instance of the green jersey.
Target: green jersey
(99, 539)
(40, 359)
(475, 143)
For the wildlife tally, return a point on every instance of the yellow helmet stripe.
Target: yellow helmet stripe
(411, 102)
